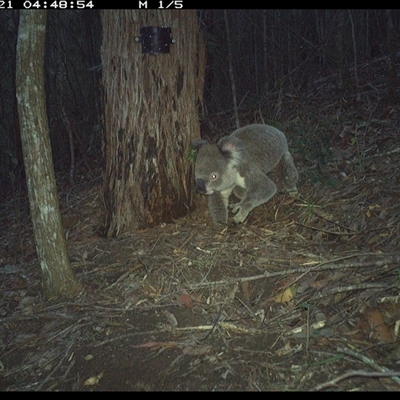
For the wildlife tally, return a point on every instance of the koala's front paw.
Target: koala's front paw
(240, 215)
(242, 210)
(234, 207)
(239, 218)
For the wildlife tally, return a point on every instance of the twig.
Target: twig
(330, 232)
(71, 364)
(349, 374)
(59, 364)
(224, 325)
(370, 362)
(326, 265)
(351, 288)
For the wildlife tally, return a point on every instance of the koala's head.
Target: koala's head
(215, 168)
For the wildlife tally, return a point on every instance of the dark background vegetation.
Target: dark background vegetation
(277, 55)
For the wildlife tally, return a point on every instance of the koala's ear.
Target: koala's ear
(229, 145)
(197, 143)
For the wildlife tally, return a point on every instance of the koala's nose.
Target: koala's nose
(200, 186)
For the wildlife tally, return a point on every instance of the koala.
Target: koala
(239, 164)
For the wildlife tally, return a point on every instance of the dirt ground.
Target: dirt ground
(303, 296)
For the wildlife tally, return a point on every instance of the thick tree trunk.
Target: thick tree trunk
(150, 118)
(58, 279)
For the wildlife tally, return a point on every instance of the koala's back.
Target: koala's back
(264, 144)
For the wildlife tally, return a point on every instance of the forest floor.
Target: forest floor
(303, 296)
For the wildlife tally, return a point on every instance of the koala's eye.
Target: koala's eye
(214, 176)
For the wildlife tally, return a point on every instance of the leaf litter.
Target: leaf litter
(305, 295)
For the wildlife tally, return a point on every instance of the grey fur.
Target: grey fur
(239, 163)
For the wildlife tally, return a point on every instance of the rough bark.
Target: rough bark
(150, 118)
(58, 278)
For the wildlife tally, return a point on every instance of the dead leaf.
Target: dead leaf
(377, 238)
(196, 350)
(154, 345)
(379, 329)
(287, 349)
(186, 300)
(246, 290)
(145, 345)
(171, 318)
(286, 295)
(94, 380)
(370, 209)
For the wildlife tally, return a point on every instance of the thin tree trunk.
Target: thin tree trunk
(265, 52)
(58, 278)
(392, 75)
(341, 69)
(232, 77)
(353, 36)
